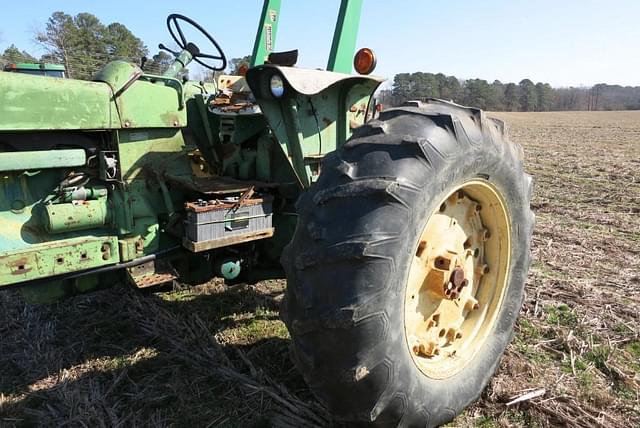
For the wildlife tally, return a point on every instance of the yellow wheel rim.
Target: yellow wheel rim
(458, 279)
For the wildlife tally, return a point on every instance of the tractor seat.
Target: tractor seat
(234, 97)
(285, 59)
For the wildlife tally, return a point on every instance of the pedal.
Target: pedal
(152, 274)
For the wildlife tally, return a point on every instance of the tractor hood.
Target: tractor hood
(37, 102)
(119, 97)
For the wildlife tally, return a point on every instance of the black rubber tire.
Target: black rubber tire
(348, 263)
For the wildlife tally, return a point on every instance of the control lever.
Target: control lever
(161, 46)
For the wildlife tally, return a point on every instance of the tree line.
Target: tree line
(83, 45)
(497, 96)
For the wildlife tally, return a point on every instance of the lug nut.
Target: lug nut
(428, 350)
(471, 304)
(451, 335)
(485, 234)
(482, 270)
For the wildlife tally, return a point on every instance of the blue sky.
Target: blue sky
(563, 42)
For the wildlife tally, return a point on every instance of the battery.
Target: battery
(220, 222)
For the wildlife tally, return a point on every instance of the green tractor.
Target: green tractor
(404, 234)
(37, 69)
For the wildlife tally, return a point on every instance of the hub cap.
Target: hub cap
(457, 279)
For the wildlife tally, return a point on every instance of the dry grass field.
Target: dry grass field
(217, 356)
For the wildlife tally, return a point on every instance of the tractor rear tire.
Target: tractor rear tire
(366, 346)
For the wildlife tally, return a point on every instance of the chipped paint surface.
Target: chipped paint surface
(55, 258)
(37, 102)
(46, 103)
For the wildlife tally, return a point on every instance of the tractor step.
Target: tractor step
(151, 274)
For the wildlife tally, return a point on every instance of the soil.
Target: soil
(214, 355)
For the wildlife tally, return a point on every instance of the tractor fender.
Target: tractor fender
(303, 81)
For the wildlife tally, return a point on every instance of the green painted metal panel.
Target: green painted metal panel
(118, 75)
(56, 258)
(145, 153)
(345, 37)
(41, 159)
(147, 104)
(145, 157)
(33, 102)
(316, 113)
(310, 126)
(265, 41)
(20, 197)
(47, 103)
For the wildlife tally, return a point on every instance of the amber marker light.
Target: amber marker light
(365, 61)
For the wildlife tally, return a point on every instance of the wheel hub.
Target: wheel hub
(451, 297)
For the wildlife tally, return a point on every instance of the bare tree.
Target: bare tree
(55, 38)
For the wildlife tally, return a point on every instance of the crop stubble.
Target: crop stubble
(217, 356)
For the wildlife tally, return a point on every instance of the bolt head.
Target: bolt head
(457, 277)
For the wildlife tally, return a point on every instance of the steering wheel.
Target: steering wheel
(173, 24)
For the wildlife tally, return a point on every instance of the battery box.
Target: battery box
(218, 223)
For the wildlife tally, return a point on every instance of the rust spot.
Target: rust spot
(421, 247)
(20, 266)
(106, 251)
(442, 263)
